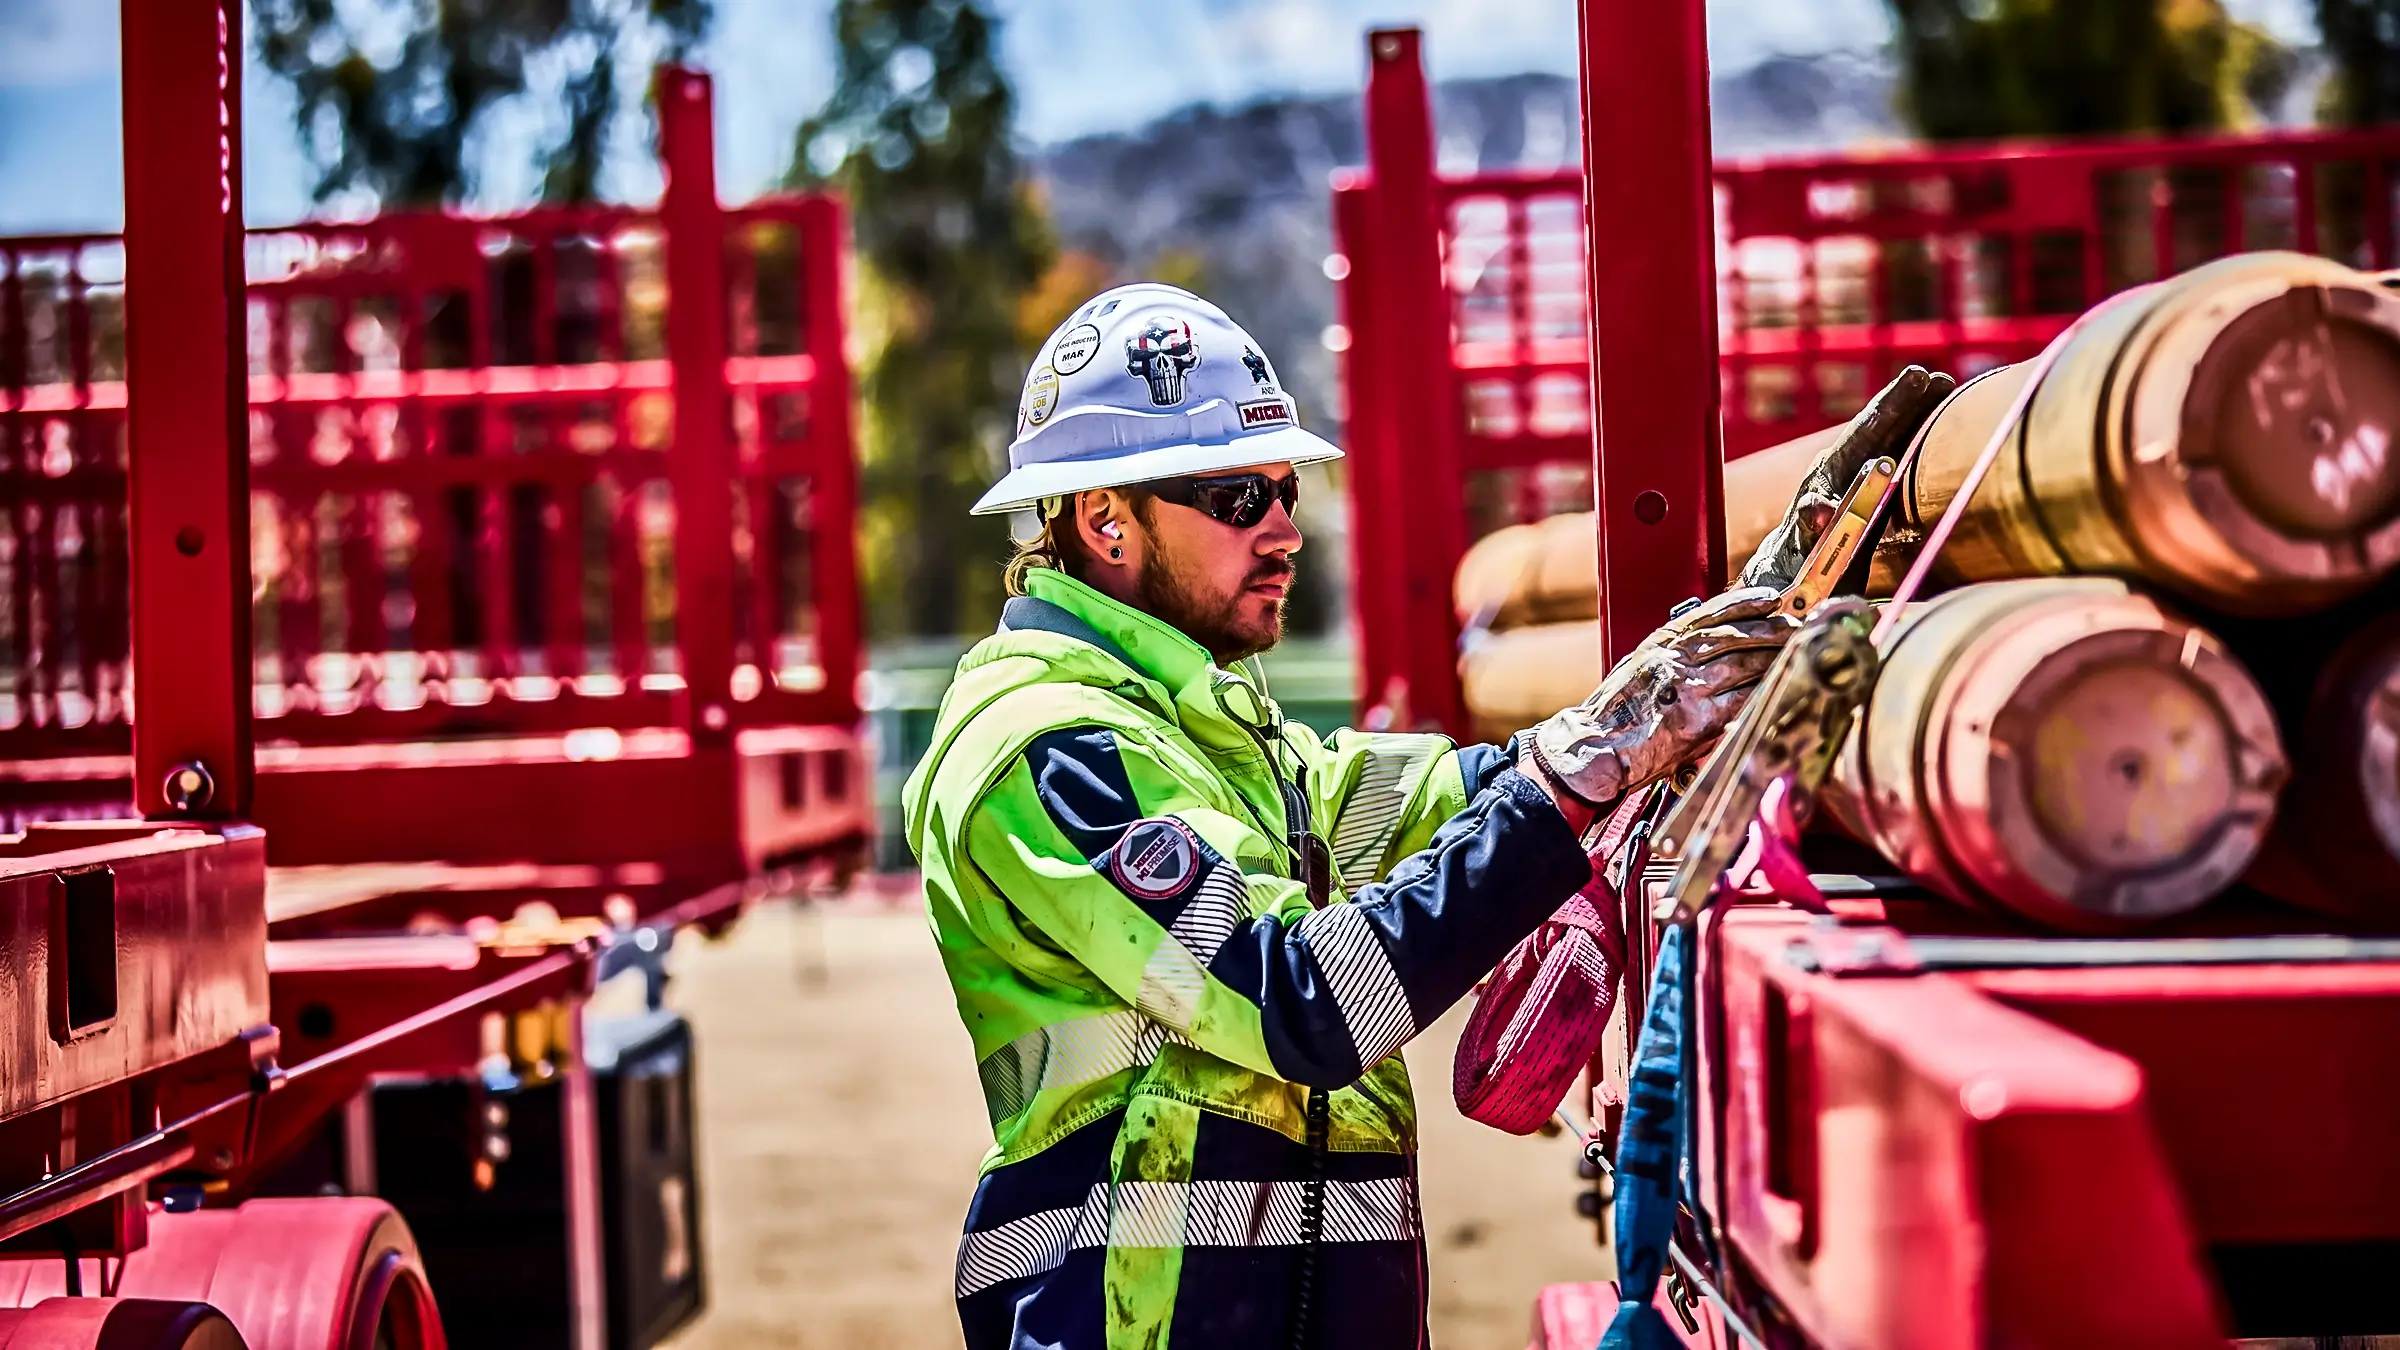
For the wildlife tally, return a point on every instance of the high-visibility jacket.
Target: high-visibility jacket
(1190, 1065)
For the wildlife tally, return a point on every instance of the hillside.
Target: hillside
(1246, 190)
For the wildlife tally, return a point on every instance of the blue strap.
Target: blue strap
(1649, 1156)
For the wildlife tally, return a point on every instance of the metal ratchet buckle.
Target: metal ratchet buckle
(1789, 733)
(1830, 561)
(1796, 722)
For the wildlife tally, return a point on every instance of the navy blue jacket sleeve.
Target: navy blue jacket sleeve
(1340, 988)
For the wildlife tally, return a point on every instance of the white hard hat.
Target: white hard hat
(1142, 382)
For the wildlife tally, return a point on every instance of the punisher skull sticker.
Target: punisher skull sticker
(1162, 353)
(1154, 859)
(1075, 350)
(1041, 395)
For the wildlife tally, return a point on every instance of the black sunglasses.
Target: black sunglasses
(1240, 499)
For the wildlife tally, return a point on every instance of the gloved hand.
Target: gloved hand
(1677, 692)
(1659, 706)
(1882, 429)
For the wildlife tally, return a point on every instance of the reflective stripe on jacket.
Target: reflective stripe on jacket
(1101, 819)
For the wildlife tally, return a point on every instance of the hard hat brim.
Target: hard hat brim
(1025, 486)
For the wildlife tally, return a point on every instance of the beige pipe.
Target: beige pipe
(2232, 435)
(1549, 571)
(2336, 845)
(2064, 750)
(2228, 435)
(1514, 679)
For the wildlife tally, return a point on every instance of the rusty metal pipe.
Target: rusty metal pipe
(2066, 751)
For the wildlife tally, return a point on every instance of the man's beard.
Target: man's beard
(1214, 621)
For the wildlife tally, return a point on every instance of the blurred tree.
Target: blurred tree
(2363, 38)
(951, 244)
(1976, 69)
(391, 91)
(1073, 277)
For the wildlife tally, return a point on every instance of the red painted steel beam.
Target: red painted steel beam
(1659, 469)
(833, 479)
(1904, 1161)
(1377, 555)
(188, 418)
(702, 466)
(1413, 317)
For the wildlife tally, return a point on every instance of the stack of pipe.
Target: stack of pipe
(2204, 484)
(1528, 596)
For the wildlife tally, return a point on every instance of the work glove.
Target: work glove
(1881, 430)
(1661, 705)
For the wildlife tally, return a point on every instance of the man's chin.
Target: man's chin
(1255, 637)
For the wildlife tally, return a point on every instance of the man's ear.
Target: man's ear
(1103, 520)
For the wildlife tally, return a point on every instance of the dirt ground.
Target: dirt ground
(840, 1127)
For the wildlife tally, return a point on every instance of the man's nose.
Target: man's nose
(1278, 533)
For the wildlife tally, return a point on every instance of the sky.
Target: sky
(1080, 66)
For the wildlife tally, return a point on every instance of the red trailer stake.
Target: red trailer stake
(188, 416)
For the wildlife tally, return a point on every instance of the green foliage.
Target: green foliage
(1978, 69)
(2363, 38)
(391, 91)
(950, 245)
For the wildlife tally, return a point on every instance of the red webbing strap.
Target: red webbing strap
(1539, 1019)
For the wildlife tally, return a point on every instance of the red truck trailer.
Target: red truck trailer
(408, 623)
(1918, 1122)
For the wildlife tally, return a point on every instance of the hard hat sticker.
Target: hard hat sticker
(1155, 858)
(1163, 353)
(1041, 395)
(1266, 412)
(1258, 368)
(1075, 350)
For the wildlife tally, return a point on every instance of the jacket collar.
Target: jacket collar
(1160, 651)
(1156, 648)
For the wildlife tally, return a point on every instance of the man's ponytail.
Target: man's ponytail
(1040, 551)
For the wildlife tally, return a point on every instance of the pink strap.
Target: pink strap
(1540, 1018)
(1777, 840)
(1935, 539)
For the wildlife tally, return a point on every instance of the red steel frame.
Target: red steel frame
(359, 448)
(1768, 298)
(1906, 1139)
(189, 515)
(471, 448)
(1658, 468)
(157, 1006)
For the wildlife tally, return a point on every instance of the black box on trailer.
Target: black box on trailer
(649, 1186)
(480, 1176)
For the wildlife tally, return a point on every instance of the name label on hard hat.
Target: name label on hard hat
(1266, 412)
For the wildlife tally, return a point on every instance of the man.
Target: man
(1189, 938)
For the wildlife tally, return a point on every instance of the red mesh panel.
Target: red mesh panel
(460, 439)
(1835, 272)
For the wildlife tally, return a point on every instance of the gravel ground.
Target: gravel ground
(840, 1127)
